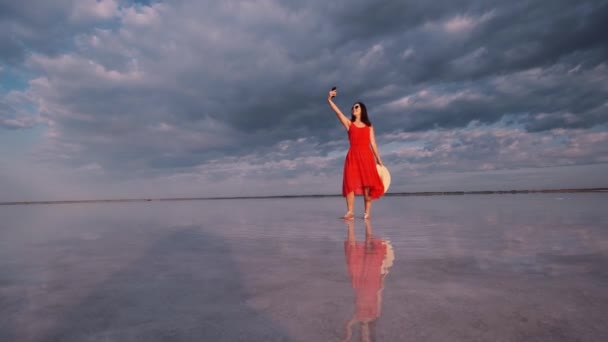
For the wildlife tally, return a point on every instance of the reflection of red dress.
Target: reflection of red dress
(364, 268)
(360, 165)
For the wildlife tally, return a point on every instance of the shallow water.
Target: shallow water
(521, 267)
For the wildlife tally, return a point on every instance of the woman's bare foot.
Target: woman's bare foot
(366, 216)
(348, 216)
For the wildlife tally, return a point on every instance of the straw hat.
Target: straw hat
(385, 176)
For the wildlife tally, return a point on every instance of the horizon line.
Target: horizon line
(417, 193)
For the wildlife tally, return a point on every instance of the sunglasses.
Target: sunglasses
(356, 107)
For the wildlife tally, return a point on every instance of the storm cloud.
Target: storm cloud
(202, 92)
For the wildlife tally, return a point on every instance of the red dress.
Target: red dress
(360, 165)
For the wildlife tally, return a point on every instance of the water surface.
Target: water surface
(438, 268)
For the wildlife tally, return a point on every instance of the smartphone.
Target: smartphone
(333, 88)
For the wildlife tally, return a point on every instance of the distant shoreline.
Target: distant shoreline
(424, 193)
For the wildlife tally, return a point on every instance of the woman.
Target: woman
(360, 173)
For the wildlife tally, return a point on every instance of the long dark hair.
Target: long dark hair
(364, 117)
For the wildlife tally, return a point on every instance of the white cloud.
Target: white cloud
(407, 53)
(16, 111)
(86, 69)
(144, 16)
(95, 10)
(460, 24)
(470, 61)
(431, 99)
(503, 148)
(371, 56)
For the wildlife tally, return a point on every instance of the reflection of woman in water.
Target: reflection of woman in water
(368, 263)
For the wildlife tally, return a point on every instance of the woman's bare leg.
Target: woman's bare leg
(368, 203)
(350, 201)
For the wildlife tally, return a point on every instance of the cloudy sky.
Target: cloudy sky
(118, 98)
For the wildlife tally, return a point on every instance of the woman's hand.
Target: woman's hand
(331, 94)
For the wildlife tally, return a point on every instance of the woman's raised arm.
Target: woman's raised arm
(343, 119)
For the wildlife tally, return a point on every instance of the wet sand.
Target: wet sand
(526, 267)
